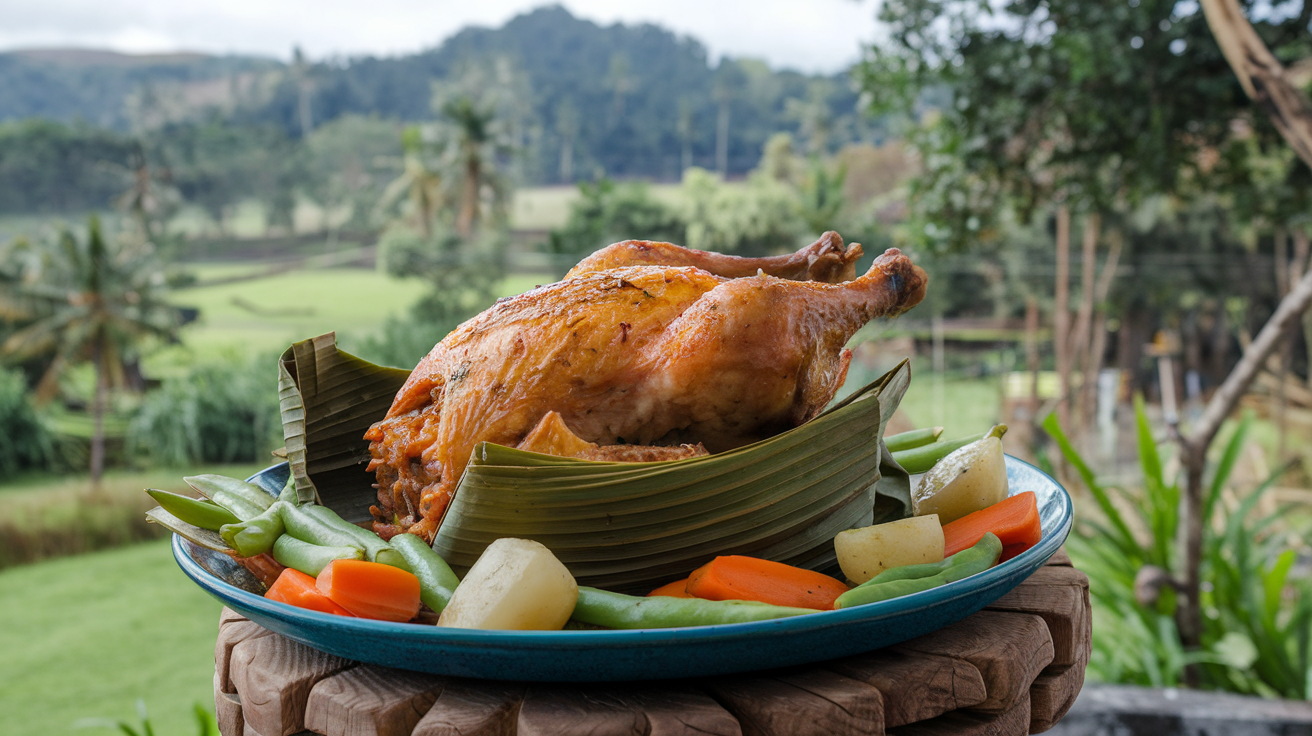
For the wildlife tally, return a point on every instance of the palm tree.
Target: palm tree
(418, 183)
(479, 108)
(91, 301)
(478, 144)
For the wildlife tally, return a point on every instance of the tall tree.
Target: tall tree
(567, 128)
(476, 108)
(724, 89)
(91, 301)
(420, 185)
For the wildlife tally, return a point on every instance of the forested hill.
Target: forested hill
(105, 89)
(624, 100)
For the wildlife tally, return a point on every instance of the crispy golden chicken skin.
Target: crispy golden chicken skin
(628, 355)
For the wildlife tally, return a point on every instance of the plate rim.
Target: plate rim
(1034, 557)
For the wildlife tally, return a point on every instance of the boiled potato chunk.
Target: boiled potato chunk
(972, 478)
(516, 584)
(864, 553)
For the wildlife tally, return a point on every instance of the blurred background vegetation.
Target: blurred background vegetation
(169, 224)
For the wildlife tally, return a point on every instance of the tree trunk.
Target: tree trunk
(468, 217)
(1061, 317)
(722, 140)
(1194, 455)
(98, 421)
(567, 161)
(1098, 344)
(1261, 75)
(1263, 79)
(1032, 354)
(1079, 348)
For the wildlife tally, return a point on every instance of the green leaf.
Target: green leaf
(329, 399)
(1235, 650)
(1273, 585)
(1229, 457)
(632, 526)
(1124, 537)
(1149, 459)
(206, 723)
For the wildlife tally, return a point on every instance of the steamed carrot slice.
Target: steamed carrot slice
(735, 577)
(295, 588)
(1015, 520)
(676, 589)
(371, 589)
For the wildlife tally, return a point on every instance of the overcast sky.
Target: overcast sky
(808, 35)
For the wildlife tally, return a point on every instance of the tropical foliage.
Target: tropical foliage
(1258, 610)
(86, 301)
(220, 411)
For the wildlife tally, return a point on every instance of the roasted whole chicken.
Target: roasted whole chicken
(644, 351)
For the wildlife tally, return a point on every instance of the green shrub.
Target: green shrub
(225, 412)
(607, 212)
(1257, 621)
(24, 442)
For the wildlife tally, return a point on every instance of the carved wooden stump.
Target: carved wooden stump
(1013, 668)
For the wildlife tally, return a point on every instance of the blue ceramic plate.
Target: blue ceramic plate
(646, 654)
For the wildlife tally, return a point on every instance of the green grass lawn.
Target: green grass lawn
(86, 636)
(268, 314)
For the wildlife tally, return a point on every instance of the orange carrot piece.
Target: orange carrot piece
(676, 589)
(371, 589)
(1015, 520)
(295, 588)
(1012, 550)
(750, 579)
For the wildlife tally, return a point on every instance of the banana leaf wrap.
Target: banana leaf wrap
(620, 526)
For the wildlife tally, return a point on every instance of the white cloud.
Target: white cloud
(819, 35)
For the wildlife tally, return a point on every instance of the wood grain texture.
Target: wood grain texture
(473, 708)
(1059, 558)
(915, 687)
(1053, 694)
(274, 676)
(998, 672)
(227, 711)
(667, 709)
(1058, 595)
(231, 634)
(800, 702)
(370, 701)
(1012, 722)
(227, 615)
(1008, 649)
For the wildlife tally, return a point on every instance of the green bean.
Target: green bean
(436, 580)
(619, 611)
(310, 559)
(921, 459)
(203, 514)
(301, 524)
(244, 500)
(914, 438)
(375, 549)
(254, 536)
(288, 494)
(962, 565)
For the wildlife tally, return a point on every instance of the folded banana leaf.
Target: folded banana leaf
(329, 399)
(622, 526)
(633, 526)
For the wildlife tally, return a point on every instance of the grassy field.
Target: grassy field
(86, 636)
(268, 314)
(43, 517)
